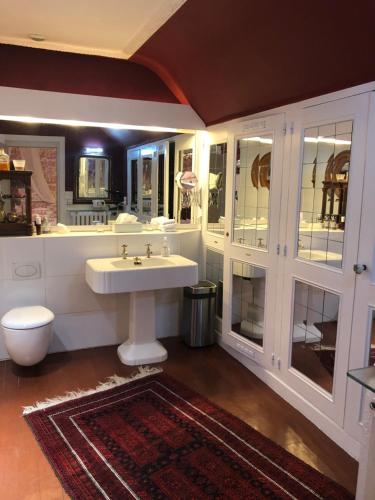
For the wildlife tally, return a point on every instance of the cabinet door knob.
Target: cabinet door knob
(359, 268)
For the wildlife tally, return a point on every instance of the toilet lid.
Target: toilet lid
(23, 318)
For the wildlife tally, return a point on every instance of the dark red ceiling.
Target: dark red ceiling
(226, 58)
(236, 57)
(40, 69)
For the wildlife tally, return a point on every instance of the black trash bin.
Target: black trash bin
(199, 313)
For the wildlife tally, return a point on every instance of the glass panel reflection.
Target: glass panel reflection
(371, 352)
(216, 188)
(146, 185)
(185, 162)
(324, 190)
(314, 333)
(248, 298)
(252, 187)
(214, 273)
(134, 185)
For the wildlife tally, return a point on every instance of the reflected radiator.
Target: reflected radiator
(87, 218)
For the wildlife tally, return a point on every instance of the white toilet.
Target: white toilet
(27, 333)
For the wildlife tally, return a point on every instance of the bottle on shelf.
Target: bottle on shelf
(4, 159)
(165, 251)
(38, 224)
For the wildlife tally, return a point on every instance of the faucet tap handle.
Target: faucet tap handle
(124, 251)
(148, 249)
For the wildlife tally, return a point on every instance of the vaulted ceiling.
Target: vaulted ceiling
(231, 58)
(226, 58)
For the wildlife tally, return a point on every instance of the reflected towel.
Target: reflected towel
(252, 329)
(126, 218)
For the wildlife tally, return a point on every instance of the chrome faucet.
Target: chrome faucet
(124, 251)
(148, 250)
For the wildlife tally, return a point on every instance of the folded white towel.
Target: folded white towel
(162, 220)
(252, 329)
(168, 227)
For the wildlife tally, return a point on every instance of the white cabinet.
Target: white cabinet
(297, 211)
(255, 154)
(322, 231)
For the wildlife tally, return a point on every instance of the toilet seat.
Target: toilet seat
(29, 317)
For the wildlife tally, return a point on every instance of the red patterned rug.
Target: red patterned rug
(153, 438)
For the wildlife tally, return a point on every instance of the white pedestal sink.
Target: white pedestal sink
(117, 275)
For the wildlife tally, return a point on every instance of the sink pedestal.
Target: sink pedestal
(142, 346)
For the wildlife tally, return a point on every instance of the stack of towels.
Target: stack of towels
(126, 218)
(164, 224)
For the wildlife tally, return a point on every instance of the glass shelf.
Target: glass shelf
(364, 377)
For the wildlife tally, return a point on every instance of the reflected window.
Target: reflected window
(214, 273)
(324, 192)
(216, 188)
(252, 189)
(248, 299)
(314, 333)
(93, 177)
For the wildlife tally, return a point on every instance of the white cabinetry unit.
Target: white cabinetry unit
(298, 242)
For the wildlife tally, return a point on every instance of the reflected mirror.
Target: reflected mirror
(186, 180)
(252, 189)
(186, 196)
(314, 333)
(133, 185)
(216, 188)
(248, 299)
(371, 351)
(92, 178)
(324, 192)
(146, 185)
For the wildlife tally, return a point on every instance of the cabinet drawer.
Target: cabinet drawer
(214, 241)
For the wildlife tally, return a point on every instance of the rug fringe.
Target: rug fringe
(113, 381)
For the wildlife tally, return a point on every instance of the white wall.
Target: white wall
(83, 318)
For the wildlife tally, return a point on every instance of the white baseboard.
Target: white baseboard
(330, 428)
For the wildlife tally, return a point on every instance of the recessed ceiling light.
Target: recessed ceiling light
(37, 37)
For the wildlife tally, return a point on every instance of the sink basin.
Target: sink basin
(117, 275)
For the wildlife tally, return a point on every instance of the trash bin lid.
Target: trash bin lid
(201, 288)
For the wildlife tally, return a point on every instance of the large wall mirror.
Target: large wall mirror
(88, 175)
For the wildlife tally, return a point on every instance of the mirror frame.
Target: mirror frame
(76, 198)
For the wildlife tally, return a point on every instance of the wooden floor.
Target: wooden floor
(26, 474)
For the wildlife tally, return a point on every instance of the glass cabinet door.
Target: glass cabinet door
(252, 190)
(324, 207)
(324, 192)
(251, 250)
(216, 188)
